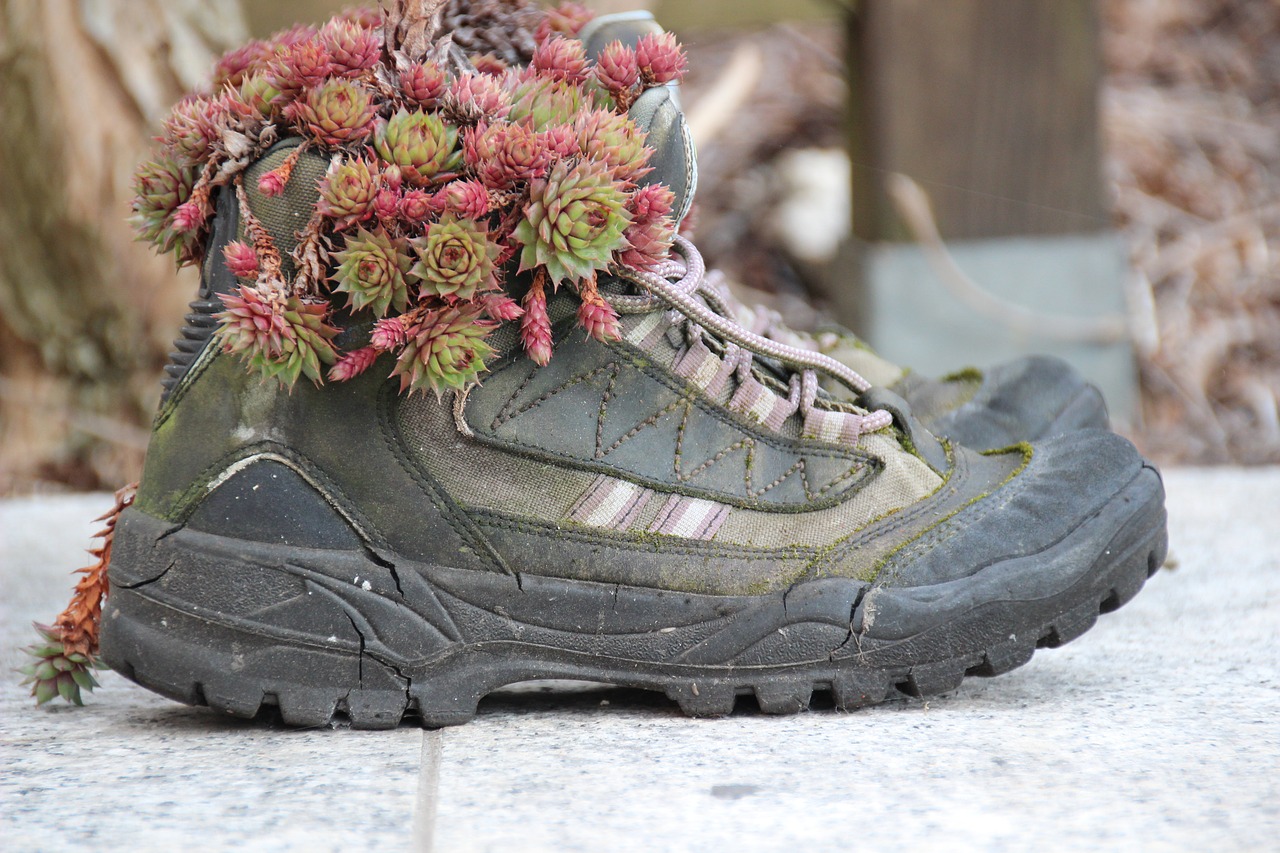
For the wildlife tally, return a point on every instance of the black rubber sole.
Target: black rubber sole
(328, 637)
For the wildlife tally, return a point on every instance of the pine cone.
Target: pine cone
(504, 28)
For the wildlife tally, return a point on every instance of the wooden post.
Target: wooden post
(990, 105)
(991, 108)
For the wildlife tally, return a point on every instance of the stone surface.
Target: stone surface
(913, 318)
(132, 770)
(1159, 729)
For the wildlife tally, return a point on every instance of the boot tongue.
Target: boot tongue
(657, 112)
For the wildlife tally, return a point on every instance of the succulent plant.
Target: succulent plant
(280, 337)
(390, 334)
(617, 70)
(299, 66)
(597, 317)
(661, 59)
(416, 206)
(352, 48)
(468, 199)
(455, 258)
(444, 349)
(506, 154)
(162, 186)
(439, 177)
(242, 260)
(237, 65)
(347, 194)
(421, 144)
(57, 671)
(423, 84)
(535, 324)
(473, 98)
(612, 139)
(541, 102)
(336, 113)
(371, 269)
(500, 307)
(574, 221)
(652, 229)
(351, 364)
(566, 19)
(260, 94)
(191, 129)
(561, 58)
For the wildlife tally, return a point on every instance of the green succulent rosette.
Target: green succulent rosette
(455, 258)
(280, 337)
(574, 221)
(162, 185)
(371, 270)
(445, 349)
(422, 144)
(57, 671)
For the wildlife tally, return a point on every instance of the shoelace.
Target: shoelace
(683, 284)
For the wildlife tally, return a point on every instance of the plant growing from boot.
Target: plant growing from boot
(468, 143)
(67, 652)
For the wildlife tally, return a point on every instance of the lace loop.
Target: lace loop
(684, 284)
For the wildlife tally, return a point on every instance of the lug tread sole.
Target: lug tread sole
(450, 696)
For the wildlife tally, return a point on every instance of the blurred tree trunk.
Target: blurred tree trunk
(86, 313)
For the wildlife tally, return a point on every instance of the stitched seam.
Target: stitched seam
(452, 514)
(576, 380)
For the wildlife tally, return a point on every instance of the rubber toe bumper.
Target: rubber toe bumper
(1029, 399)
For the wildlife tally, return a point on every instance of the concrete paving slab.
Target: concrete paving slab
(134, 771)
(1158, 730)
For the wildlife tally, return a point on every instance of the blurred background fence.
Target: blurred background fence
(1183, 125)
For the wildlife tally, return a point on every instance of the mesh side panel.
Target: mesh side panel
(287, 215)
(904, 481)
(478, 477)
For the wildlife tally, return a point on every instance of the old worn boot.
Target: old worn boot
(668, 502)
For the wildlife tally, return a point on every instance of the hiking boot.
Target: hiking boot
(671, 504)
(1027, 399)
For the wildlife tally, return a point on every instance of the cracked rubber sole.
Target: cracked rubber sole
(350, 636)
